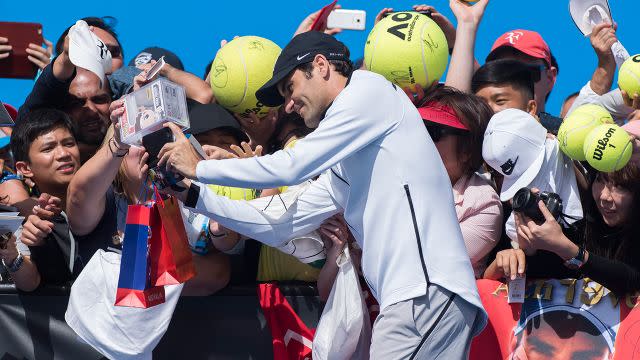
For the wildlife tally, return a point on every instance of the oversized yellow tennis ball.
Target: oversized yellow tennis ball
(407, 48)
(578, 125)
(608, 148)
(240, 68)
(629, 76)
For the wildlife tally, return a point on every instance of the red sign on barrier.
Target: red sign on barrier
(560, 319)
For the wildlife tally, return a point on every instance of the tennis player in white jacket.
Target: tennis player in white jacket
(379, 166)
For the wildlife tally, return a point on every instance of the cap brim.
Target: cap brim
(511, 185)
(268, 94)
(492, 54)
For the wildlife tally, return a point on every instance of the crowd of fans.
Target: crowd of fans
(68, 173)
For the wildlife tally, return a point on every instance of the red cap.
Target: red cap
(441, 114)
(525, 41)
(11, 110)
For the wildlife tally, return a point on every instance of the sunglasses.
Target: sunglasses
(438, 132)
(115, 50)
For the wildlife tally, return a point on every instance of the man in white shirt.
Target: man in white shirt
(377, 164)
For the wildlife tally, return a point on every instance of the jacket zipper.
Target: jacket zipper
(415, 227)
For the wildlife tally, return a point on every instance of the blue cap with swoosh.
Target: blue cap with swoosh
(301, 49)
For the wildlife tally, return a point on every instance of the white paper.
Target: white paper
(516, 289)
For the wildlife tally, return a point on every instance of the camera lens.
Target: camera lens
(521, 199)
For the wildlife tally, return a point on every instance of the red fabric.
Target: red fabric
(495, 339)
(170, 255)
(628, 339)
(526, 41)
(441, 114)
(292, 339)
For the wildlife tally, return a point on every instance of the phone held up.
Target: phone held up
(347, 19)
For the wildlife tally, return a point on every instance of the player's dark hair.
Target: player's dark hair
(505, 72)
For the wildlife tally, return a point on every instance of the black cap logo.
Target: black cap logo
(103, 49)
(507, 168)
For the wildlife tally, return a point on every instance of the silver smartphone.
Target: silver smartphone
(347, 19)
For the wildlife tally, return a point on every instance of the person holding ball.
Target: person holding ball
(375, 159)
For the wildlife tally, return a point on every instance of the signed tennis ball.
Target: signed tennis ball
(240, 68)
(578, 125)
(629, 76)
(407, 48)
(608, 148)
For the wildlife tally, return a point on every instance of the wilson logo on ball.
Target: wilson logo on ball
(602, 144)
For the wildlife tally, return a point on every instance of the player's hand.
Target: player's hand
(179, 156)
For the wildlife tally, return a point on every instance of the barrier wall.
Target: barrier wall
(572, 317)
(228, 325)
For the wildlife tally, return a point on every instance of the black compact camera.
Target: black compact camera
(526, 202)
(153, 143)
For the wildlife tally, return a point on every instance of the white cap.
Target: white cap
(514, 146)
(87, 51)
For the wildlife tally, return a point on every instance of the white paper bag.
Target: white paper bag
(344, 330)
(116, 332)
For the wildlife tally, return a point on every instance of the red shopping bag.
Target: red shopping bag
(134, 284)
(292, 339)
(171, 258)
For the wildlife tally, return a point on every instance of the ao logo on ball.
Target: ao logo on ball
(408, 49)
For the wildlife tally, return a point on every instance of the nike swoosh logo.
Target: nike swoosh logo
(302, 57)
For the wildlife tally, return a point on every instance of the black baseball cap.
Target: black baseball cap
(207, 117)
(301, 49)
(155, 53)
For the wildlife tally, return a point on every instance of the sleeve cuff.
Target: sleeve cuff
(193, 194)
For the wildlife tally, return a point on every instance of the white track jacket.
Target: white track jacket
(380, 167)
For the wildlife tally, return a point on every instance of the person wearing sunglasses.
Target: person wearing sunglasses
(456, 123)
(103, 27)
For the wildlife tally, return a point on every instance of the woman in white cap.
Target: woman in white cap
(608, 249)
